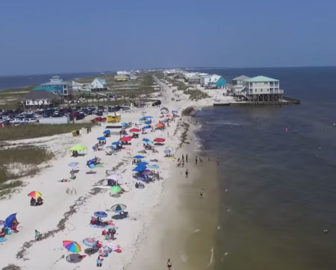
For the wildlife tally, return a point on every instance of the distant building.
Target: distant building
(121, 77)
(78, 87)
(213, 81)
(98, 84)
(240, 80)
(57, 85)
(192, 77)
(40, 98)
(239, 85)
(263, 88)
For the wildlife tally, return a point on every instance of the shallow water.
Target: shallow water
(279, 165)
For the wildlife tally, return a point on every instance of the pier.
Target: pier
(284, 101)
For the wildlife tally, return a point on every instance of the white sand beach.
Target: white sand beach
(69, 206)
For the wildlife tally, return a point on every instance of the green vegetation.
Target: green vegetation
(20, 162)
(11, 98)
(196, 94)
(35, 131)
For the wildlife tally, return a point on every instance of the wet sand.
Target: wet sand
(184, 225)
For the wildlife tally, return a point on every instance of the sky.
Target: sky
(59, 36)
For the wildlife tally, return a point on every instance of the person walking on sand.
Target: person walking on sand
(182, 157)
(186, 173)
(196, 160)
(186, 158)
(169, 264)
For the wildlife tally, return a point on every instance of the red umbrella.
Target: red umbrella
(126, 139)
(159, 140)
(134, 130)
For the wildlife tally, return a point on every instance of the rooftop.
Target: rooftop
(241, 78)
(261, 79)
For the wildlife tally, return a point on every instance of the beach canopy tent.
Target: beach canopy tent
(35, 194)
(159, 140)
(142, 164)
(147, 127)
(126, 139)
(134, 130)
(124, 124)
(118, 207)
(148, 122)
(9, 220)
(138, 157)
(72, 246)
(116, 143)
(146, 140)
(100, 214)
(164, 110)
(107, 131)
(101, 138)
(78, 148)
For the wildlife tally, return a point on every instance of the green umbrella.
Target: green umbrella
(116, 189)
(78, 147)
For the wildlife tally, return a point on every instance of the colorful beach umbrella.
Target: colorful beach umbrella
(116, 189)
(138, 157)
(100, 214)
(90, 242)
(159, 140)
(78, 147)
(126, 139)
(73, 164)
(118, 207)
(35, 194)
(134, 130)
(72, 246)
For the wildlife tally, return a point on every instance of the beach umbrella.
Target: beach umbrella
(72, 246)
(9, 220)
(139, 169)
(159, 140)
(146, 140)
(126, 139)
(118, 207)
(107, 131)
(159, 125)
(35, 194)
(124, 124)
(73, 164)
(100, 214)
(90, 242)
(138, 157)
(78, 147)
(147, 127)
(154, 167)
(134, 130)
(116, 189)
(148, 122)
(101, 138)
(142, 164)
(116, 143)
(148, 117)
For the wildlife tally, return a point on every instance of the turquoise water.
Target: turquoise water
(279, 166)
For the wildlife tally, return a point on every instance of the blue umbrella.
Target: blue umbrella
(100, 214)
(116, 143)
(107, 131)
(138, 157)
(139, 169)
(9, 220)
(101, 138)
(148, 122)
(146, 140)
(124, 124)
(142, 164)
(73, 164)
(167, 151)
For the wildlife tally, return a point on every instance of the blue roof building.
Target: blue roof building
(56, 85)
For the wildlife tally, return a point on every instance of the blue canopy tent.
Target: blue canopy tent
(100, 214)
(139, 168)
(147, 127)
(116, 143)
(146, 140)
(101, 138)
(148, 122)
(142, 164)
(124, 124)
(9, 220)
(138, 157)
(107, 131)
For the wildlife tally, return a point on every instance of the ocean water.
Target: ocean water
(278, 165)
(10, 82)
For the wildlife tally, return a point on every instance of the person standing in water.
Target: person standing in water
(169, 264)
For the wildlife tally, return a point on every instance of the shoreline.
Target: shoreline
(75, 209)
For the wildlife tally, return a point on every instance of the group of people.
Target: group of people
(36, 202)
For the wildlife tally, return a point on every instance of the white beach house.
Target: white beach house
(98, 84)
(261, 88)
(213, 81)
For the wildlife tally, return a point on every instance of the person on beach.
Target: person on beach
(100, 261)
(201, 194)
(186, 173)
(196, 160)
(169, 264)
(186, 158)
(38, 235)
(182, 157)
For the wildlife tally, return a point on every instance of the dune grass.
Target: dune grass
(36, 131)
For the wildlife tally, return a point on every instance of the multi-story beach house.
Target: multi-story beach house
(98, 84)
(56, 85)
(261, 88)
